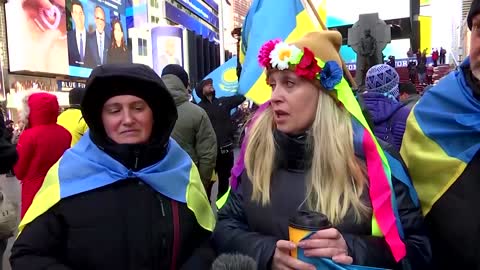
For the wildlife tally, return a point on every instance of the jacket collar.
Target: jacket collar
(292, 152)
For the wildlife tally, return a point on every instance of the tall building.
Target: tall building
(465, 8)
(240, 9)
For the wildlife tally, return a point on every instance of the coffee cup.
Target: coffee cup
(304, 224)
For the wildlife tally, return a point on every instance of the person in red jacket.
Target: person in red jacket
(41, 144)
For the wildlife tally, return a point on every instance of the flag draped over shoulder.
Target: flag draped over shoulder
(442, 137)
(266, 20)
(85, 167)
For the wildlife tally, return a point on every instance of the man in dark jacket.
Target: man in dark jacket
(408, 94)
(218, 110)
(441, 148)
(193, 130)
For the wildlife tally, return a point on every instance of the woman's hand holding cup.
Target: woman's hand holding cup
(328, 243)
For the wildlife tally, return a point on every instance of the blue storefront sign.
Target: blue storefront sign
(196, 7)
(176, 15)
(68, 85)
(212, 4)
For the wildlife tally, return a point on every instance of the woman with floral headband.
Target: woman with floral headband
(309, 149)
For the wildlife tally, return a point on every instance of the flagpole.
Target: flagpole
(347, 73)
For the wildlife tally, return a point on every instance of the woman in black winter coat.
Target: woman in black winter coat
(126, 196)
(309, 149)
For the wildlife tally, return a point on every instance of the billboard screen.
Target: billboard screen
(96, 35)
(167, 44)
(37, 36)
(338, 15)
(66, 37)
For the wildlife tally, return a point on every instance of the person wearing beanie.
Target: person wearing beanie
(408, 94)
(193, 130)
(218, 110)
(40, 145)
(441, 148)
(126, 196)
(389, 116)
(72, 119)
(310, 162)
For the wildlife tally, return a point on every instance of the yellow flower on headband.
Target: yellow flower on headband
(283, 55)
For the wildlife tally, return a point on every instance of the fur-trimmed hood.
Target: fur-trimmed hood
(39, 108)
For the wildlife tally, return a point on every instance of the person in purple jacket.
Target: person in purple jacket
(388, 115)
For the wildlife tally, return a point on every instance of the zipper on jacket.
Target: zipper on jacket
(137, 154)
(161, 205)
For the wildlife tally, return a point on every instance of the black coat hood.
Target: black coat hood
(130, 79)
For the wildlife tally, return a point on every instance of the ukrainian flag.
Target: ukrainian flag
(442, 137)
(85, 167)
(266, 20)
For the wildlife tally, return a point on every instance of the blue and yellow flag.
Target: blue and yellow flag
(442, 137)
(85, 167)
(266, 20)
(225, 80)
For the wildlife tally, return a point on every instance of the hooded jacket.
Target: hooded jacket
(72, 119)
(40, 145)
(193, 130)
(8, 153)
(126, 224)
(218, 111)
(389, 117)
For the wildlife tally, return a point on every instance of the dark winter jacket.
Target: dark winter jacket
(127, 225)
(218, 111)
(389, 117)
(193, 130)
(246, 227)
(40, 145)
(8, 152)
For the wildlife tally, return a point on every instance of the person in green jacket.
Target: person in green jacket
(193, 130)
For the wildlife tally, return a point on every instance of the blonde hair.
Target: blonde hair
(336, 178)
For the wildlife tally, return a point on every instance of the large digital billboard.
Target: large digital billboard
(66, 37)
(338, 14)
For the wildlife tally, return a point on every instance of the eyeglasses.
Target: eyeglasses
(101, 19)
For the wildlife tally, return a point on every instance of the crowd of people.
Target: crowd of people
(325, 178)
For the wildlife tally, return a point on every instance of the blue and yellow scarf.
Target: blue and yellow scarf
(442, 137)
(85, 167)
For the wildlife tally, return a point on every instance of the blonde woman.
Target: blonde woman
(310, 149)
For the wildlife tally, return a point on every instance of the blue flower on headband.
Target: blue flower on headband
(331, 75)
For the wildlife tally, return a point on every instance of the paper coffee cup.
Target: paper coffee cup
(304, 224)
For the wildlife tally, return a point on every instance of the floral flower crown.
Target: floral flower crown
(280, 55)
